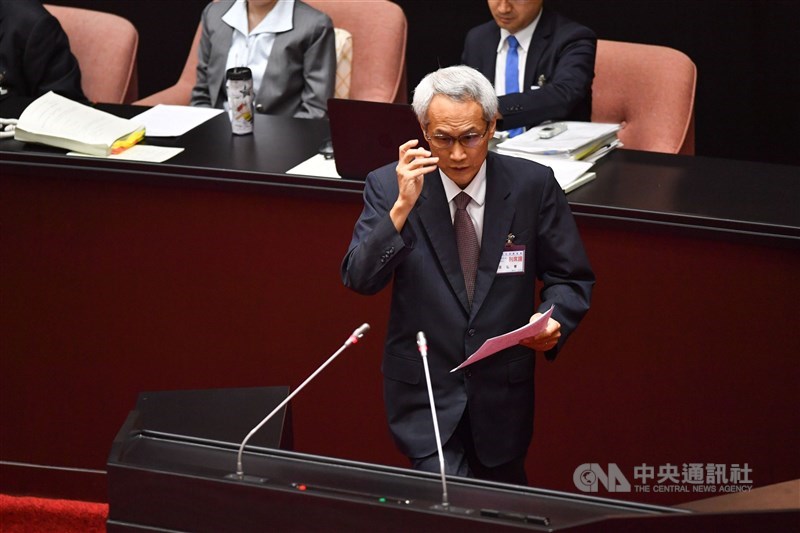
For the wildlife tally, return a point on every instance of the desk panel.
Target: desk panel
(118, 279)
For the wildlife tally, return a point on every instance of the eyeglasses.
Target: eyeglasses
(468, 140)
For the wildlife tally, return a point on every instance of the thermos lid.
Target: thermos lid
(239, 73)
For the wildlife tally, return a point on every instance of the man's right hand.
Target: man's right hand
(412, 165)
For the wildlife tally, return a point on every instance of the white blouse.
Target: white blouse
(252, 48)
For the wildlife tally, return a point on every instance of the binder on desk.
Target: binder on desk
(578, 141)
(56, 121)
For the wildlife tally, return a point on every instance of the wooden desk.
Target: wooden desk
(216, 270)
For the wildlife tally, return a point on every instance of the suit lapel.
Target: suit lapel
(434, 214)
(538, 43)
(275, 75)
(497, 217)
(221, 41)
(488, 52)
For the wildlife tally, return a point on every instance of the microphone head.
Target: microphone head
(421, 340)
(357, 334)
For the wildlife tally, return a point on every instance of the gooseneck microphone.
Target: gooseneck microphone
(422, 343)
(354, 337)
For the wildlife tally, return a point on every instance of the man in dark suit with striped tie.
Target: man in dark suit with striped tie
(463, 235)
(541, 63)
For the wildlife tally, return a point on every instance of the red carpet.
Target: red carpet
(27, 515)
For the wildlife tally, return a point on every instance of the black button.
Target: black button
(471, 332)
(259, 107)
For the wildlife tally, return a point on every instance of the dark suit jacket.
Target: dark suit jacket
(429, 295)
(561, 50)
(301, 72)
(34, 53)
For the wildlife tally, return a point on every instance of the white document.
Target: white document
(578, 138)
(567, 171)
(57, 121)
(580, 180)
(316, 165)
(174, 120)
(512, 338)
(139, 152)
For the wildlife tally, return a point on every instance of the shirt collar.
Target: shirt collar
(278, 20)
(523, 36)
(476, 188)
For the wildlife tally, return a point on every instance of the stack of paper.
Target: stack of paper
(57, 121)
(570, 154)
(569, 174)
(578, 141)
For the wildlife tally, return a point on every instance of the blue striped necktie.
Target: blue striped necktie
(512, 75)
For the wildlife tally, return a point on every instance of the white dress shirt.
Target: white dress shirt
(476, 190)
(252, 48)
(524, 37)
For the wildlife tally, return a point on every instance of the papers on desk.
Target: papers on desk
(174, 120)
(579, 140)
(316, 166)
(569, 174)
(570, 154)
(57, 121)
(140, 152)
(496, 344)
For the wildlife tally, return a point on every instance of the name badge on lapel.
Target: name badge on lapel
(513, 259)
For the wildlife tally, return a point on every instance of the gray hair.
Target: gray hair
(460, 83)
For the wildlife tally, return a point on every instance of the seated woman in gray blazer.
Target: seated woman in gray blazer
(287, 44)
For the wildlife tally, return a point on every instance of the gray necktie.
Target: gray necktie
(467, 241)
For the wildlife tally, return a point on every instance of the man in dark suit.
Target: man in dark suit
(554, 56)
(453, 282)
(34, 53)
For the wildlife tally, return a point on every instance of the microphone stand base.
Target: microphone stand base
(452, 509)
(246, 479)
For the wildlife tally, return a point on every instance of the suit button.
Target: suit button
(471, 332)
(259, 108)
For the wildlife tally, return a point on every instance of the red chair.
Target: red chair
(650, 90)
(181, 92)
(105, 46)
(378, 29)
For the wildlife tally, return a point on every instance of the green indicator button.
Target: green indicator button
(382, 500)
